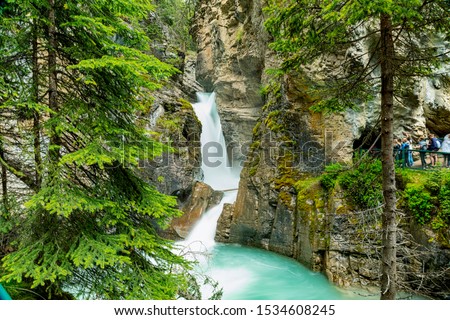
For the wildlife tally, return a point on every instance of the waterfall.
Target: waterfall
(217, 169)
(242, 273)
(216, 165)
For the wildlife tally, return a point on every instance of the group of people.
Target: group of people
(425, 146)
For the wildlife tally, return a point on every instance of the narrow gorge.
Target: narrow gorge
(224, 149)
(283, 147)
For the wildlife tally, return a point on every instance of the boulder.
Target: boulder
(201, 199)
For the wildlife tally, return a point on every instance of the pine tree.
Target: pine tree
(402, 33)
(77, 77)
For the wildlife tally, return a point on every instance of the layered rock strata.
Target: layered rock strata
(231, 55)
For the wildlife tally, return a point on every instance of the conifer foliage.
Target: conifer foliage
(75, 78)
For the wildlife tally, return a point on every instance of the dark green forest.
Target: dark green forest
(78, 88)
(77, 78)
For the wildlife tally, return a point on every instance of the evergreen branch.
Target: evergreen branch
(15, 169)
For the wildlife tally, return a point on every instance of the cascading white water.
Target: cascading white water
(220, 175)
(202, 234)
(242, 273)
(217, 169)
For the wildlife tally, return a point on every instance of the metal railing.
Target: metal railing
(403, 157)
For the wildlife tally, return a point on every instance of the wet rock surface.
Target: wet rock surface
(200, 200)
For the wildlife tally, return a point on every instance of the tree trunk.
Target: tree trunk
(4, 182)
(389, 221)
(36, 115)
(55, 142)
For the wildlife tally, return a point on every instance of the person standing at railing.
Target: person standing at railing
(423, 143)
(409, 158)
(406, 151)
(432, 146)
(446, 151)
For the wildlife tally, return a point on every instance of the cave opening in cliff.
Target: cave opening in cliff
(370, 137)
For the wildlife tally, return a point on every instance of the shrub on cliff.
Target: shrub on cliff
(361, 184)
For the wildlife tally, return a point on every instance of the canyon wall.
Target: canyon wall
(285, 144)
(230, 61)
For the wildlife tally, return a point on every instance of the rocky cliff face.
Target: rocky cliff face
(231, 59)
(175, 124)
(434, 99)
(290, 143)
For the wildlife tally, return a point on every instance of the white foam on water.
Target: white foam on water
(219, 173)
